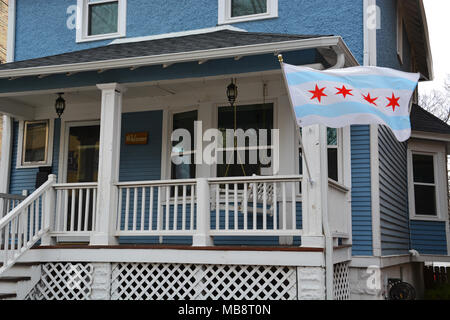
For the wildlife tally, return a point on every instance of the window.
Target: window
(184, 169)
(35, 144)
(333, 153)
(232, 11)
(424, 184)
(248, 117)
(101, 19)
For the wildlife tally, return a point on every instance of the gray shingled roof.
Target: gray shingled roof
(188, 43)
(422, 120)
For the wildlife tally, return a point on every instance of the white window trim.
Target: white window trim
(83, 20)
(225, 13)
(20, 141)
(439, 158)
(168, 158)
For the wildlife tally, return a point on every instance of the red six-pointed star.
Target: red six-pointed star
(318, 93)
(369, 99)
(393, 102)
(344, 91)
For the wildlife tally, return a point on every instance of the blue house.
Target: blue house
(115, 176)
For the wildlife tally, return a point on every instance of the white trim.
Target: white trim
(233, 257)
(83, 21)
(370, 32)
(375, 189)
(64, 145)
(11, 36)
(177, 34)
(382, 262)
(224, 14)
(220, 53)
(440, 179)
(399, 30)
(19, 156)
(168, 142)
(430, 136)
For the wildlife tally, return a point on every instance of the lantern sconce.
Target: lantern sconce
(232, 92)
(60, 105)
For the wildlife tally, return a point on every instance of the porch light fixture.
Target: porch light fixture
(60, 105)
(232, 92)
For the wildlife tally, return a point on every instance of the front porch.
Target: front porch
(107, 194)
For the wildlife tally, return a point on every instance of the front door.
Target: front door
(77, 204)
(82, 153)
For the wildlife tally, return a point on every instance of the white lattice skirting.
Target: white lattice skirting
(341, 282)
(141, 281)
(171, 281)
(63, 281)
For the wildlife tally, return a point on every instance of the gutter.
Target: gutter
(335, 42)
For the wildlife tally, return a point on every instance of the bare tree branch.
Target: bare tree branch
(437, 102)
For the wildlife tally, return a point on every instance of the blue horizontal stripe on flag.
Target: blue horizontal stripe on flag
(347, 108)
(355, 81)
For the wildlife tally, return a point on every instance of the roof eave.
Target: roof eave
(171, 58)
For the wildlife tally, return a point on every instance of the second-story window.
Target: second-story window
(233, 11)
(101, 19)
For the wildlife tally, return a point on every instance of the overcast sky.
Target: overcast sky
(438, 17)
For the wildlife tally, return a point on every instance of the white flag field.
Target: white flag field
(356, 95)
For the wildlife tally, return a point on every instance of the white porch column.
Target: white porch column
(5, 156)
(108, 168)
(315, 194)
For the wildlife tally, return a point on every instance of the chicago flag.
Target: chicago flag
(356, 95)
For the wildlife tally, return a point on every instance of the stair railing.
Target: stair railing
(26, 224)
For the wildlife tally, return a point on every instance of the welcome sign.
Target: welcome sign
(136, 138)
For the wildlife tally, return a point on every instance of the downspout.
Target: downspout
(329, 267)
(11, 36)
(7, 133)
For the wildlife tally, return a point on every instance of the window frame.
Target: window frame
(169, 141)
(224, 16)
(439, 158)
(271, 147)
(83, 21)
(340, 155)
(22, 140)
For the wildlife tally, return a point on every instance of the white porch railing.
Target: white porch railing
(224, 206)
(255, 206)
(8, 202)
(75, 209)
(25, 225)
(159, 208)
(339, 211)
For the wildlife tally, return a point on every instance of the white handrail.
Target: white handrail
(25, 225)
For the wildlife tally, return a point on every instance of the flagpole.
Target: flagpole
(280, 59)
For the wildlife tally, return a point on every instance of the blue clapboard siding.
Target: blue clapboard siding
(394, 215)
(361, 191)
(25, 178)
(429, 237)
(252, 240)
(141, 162)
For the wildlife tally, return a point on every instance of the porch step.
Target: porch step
(8, 296)
(17, 282)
